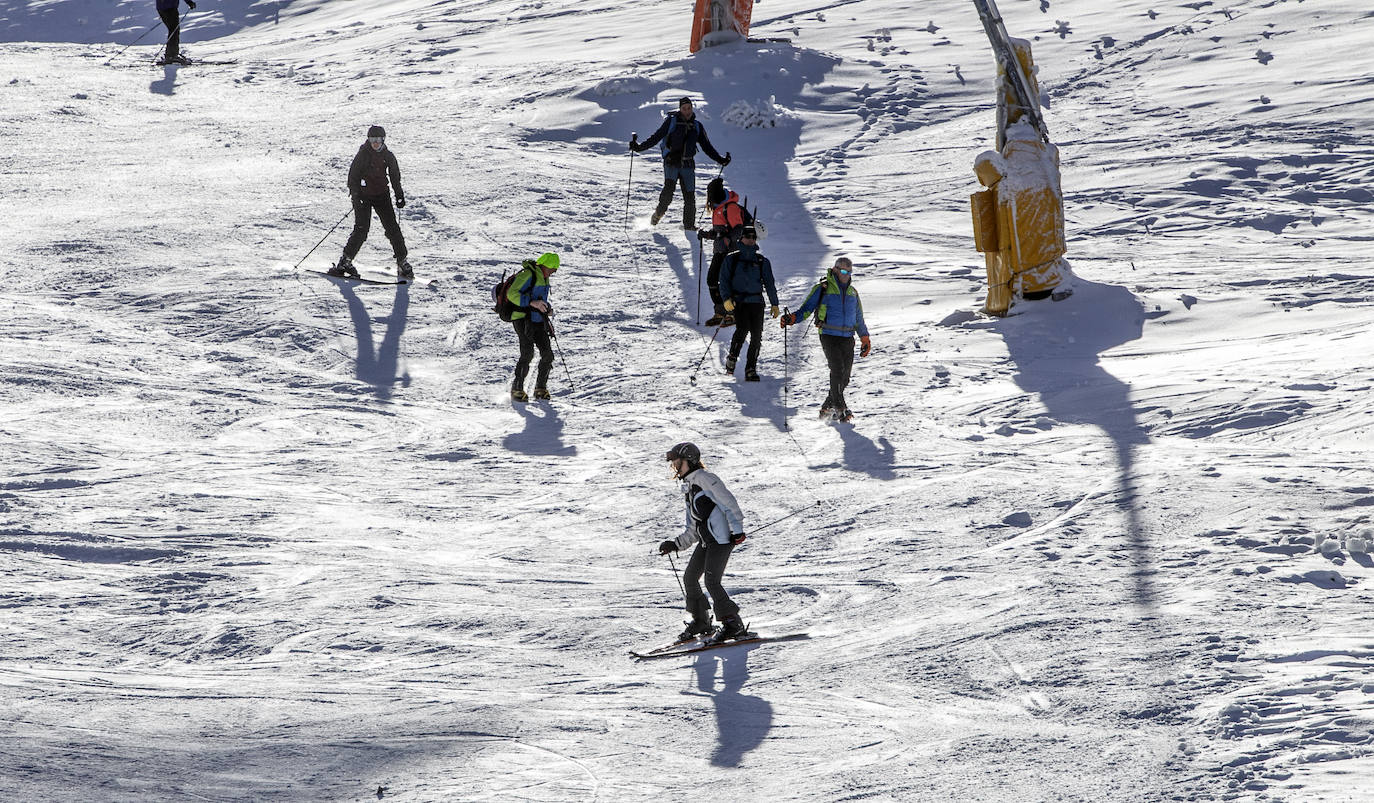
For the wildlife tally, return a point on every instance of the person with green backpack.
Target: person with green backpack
(839, 315)
(527, 292)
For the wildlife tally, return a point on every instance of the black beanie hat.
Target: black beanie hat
(376, 131)
(684, 102)
(715, 191)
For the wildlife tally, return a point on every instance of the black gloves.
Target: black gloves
(705, 234)
(726, 161)
(634, 143)
(192, 4)
(400, 202)
(666, 547)
(736, 538)
(787, 320)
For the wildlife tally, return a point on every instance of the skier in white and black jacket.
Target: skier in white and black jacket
(715, 525)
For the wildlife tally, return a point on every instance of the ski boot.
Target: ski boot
(844, 415)
(696, 627)
(827, 413)
(715, 320)
(403, 268)
(542, 394)
(344, 268)
(730, 365)
(731, 628)
(728, 320)
(750, 375)
(656, 216)
(519, 395)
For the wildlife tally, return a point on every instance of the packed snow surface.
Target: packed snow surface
(264, 536)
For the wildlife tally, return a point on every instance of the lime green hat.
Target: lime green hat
(549, 261)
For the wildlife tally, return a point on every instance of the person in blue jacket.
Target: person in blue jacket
(839, 315)
(745, 276)
(680, 133)
(168, 11)
(533, 323)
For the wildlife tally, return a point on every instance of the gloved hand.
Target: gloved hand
(787, 320)
(705, 234)
(736, 538)
(192, 4)
(726, 161)
(868, 345)
(729, 305)
(773, 310)
(634, 144)
(666, 547)
(400, 202)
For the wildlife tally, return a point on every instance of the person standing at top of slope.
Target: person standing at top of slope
(533, 322)
(716, 526)
(839, 314)
(168, 11)
(680, 134)
(373, 167)
(727, 224)
(744, 277)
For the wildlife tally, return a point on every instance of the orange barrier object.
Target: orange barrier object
(713, 16)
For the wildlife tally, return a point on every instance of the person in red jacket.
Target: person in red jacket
(373, 168)
(727, 225)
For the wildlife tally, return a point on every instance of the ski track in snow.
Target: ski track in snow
(267, 536)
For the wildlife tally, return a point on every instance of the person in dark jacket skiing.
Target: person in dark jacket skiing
(533, 322)
(745, 276)
(839, 314)
(168, 10)
(680, 134)
(727, 224)
(373, 167)
(715, 526)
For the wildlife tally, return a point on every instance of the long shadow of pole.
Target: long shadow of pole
(1057, 352)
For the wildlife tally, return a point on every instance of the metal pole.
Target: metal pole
(785, 313)
(136, 41)
(701, 269)
(680, 586)
(708, 351)
(325, 237)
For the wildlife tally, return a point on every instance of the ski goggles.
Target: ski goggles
(376, 140)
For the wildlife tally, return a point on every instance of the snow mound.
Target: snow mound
(763, 114)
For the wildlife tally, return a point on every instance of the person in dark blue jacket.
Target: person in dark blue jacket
(168, 11)
(839, 315)
(680, 134)
(745, 276)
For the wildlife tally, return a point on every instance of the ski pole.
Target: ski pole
(325, 237)
(785, 313)
(796, 512)
(672, 562)
(136, 41)
(708, 351)
(566, 372)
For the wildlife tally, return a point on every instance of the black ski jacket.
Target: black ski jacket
(683, 136)
(367, 176)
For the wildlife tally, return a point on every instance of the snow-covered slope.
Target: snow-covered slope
(264, 537)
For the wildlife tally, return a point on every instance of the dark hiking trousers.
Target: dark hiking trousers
(839, 355)
(172, 19)
(713, 282)
(532, 334)
(685, 175)
(748, 321)
(363, 207)
(708, 559)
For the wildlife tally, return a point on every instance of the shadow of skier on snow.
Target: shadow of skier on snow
(377, 365)
(863, 455)
(166, 85)
(543, 432)
(742, 720)
(1057, 349)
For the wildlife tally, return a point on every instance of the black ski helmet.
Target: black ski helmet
(715, 192)
(686, 451)
(376, 131)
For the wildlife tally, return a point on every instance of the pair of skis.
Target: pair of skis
(691, 646)
(369, 277)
